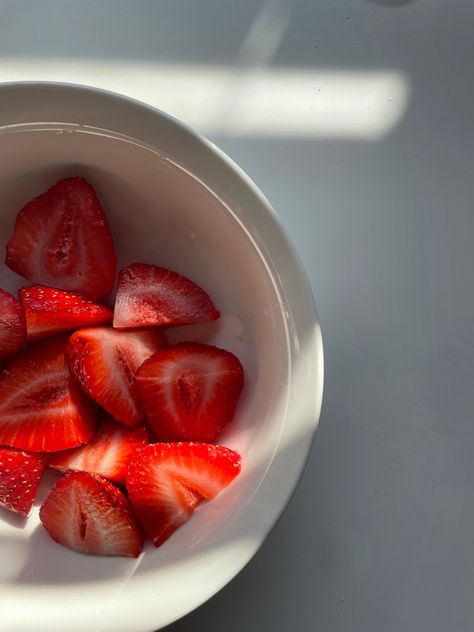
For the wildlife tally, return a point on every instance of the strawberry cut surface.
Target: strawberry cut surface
(85, 388)
(190, 391)
(166, 481)
(20, 475)
(107, 454)
(86, 513)
(104, 361)
(49, 311)
(148, 295)
(12, 326)
(62, 239)
(41, 408)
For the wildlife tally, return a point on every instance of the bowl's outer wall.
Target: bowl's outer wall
(213, 222)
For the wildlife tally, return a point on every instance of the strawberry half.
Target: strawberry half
(87, 514)
(20, 474)
(12, 326)
(41, 408)
(165, 482)
(49, 311)
(61, 238)
(190, 391)
(104, 361)
(107, 454)
(149, 296)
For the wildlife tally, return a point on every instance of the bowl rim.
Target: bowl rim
(307, 304)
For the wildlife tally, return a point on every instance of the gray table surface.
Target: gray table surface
(368, 159)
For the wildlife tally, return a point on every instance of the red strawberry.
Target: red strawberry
(165, 481)
(12, 326)
(61, 238)
(87, 514)
(107, 454)
(49, 311)
(149, 296)
(104, 362)
(41, 408)
(190, 391)
(20, 474)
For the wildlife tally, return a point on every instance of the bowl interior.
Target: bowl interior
(160, 213)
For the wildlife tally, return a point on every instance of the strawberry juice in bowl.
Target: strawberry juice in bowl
(172, 200)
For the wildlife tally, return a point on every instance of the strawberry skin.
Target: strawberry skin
(86, 513)
(149, 296)
(190, 391)
(12, 326)
(107, 454)
(41, 408)
(61, 239)
(49, 311)
(165, 482)
(104, 361)
(20, 475)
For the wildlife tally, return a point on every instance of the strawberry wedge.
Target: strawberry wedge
(20, 475)
(190, 391)
(49, 311)
(12, 326)
(61, 239)
(149, 296)
(41, 408)
(107, 454)
(165, 482)
(104, 361)
(86, 513)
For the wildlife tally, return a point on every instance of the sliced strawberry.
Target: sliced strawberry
(87, 514)
(49, 311)
(165, 481)
(12, 326)
(190, 391)
(107, 454)
(20, 474)
(41, 408)
(149, 296)
(104, 362)
(61, 238)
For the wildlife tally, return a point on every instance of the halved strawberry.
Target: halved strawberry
(12, 326)
(20, 474)
(41, 408)
(165, 481)
(190, 391)
(49, 311)
(150, 296)
(107, 454)
(104, 361)
(61, 238)
(87, 514)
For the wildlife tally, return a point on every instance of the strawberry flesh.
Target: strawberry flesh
(61, 239)
(49, 311)
(104, 361)
(190, 391)
(165, 482)
(86, 513)
(20, 475)
(41, 408)
(149, 296)
(107, 454)
(12, 326)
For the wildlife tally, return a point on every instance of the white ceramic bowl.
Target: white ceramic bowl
(173, 199)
